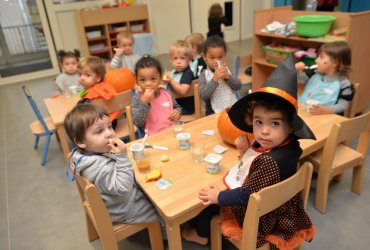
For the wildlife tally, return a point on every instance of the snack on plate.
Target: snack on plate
(154, 175)
(165, 158)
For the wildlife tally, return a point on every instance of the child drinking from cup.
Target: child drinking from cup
(216, 82)
(102, 158)
(271, 114)
(153, 108)
(329, 90)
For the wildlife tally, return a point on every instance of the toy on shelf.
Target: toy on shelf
(308, 56)
(276, 53)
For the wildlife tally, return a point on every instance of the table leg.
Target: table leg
(173, 236)
(63, 140)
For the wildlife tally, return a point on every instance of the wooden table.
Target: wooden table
(180, 202)
(58, 108)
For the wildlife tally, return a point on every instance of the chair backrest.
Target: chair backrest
(272, 197)
(344, 132)
(351, 110)
(119, 102)
(35, 108)
(193, 91)
(95, 209)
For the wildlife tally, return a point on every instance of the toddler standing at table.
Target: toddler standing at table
(181, 76)
(92, 72)
(216, 82)
(102, 158)
(124, 56)
(271, 114)
(329, 85)
(153, 108)
(67, 81)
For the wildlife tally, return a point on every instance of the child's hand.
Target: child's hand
(299, 66)
(167, 79)
(225, 71)
(242, 144)
(218, 74)
(317, 109)
(117, 145)
(119, 52)
(147, 96)
(175, 115)
(209, 195)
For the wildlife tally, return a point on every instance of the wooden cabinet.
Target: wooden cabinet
(358, 35)
(98, 28)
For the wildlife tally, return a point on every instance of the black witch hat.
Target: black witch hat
(280, 86)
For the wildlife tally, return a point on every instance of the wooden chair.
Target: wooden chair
(41, 127)
(263, 202)
(243, 62)
(193, 91)
(120, 102)
(336, 157)
(99, 224)
(351, 111)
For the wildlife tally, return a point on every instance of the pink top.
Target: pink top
(159, 113)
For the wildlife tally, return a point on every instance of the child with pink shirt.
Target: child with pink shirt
(153, 108)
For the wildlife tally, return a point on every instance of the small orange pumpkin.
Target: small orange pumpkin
(228, 131)
(122, 79)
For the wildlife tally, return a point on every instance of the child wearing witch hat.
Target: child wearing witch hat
(271, 114)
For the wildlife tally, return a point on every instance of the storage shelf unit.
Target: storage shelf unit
(98, 28)
(357, 37)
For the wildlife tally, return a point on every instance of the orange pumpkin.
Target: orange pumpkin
(122, 79)
(227, 129)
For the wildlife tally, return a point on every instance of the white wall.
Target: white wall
(169, 21)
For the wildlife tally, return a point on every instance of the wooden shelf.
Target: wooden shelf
(357, 37)
(107, 21)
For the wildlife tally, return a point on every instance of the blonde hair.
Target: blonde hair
(95, 64)
(195, 40)
(124, 35)
(215, 10)
(181, 46)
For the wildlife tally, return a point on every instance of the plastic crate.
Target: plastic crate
(275, 55)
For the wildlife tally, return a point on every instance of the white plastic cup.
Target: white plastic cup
(137, 150)
(310, 103)
(177, 127)
(213, 163)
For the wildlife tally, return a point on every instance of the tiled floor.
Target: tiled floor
(41, 210)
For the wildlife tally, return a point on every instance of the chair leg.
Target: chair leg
(322, 192)
(155, 236)
(45, 150)
(36, 142)
(357, 178)
(92, 234)
(216, 236)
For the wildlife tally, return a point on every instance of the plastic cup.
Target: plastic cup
(197, 150)
(177, 127)
(310, 103)
(143, 163)
(213, 163)
(184, 140)
(137, 150)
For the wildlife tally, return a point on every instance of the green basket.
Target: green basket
(276, 56)
(313, 25)
(308, 61)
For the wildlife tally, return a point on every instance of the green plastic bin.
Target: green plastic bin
(313, 25)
